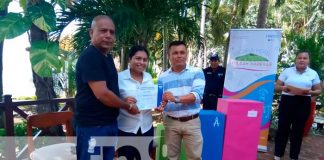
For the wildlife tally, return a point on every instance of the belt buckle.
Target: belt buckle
(183, 119)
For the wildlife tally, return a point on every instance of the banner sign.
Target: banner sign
(251, 70)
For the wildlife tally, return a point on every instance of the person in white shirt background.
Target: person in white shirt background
(297, 84)
(130, 82)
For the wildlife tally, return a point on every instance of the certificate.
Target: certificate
(147, 97)
(297, 91)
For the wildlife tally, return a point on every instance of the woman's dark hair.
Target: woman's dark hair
(135, 49)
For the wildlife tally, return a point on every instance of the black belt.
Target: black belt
(184, 119)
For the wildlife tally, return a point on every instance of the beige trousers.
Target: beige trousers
(187, 132)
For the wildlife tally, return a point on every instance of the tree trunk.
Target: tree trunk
(202, 35)
(124, 58)
(226, 51)
(165, 62)
(2, 13)
(262, 13)
(205, 53)
(44, 85)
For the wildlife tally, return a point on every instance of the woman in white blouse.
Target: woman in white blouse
(130, 82)
(297, 84)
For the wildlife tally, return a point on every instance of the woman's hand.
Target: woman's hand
(161, 107)
(285, 89)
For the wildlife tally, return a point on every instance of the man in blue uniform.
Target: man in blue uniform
(214, 76)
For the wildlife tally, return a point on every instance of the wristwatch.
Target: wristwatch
(177, 99)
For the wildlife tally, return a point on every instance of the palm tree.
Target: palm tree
(224, 16)
(302, 16)
(299, 18)
(262, 13)
(137, 23)
(202, 34)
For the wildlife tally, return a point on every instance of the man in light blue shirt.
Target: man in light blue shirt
(183, 88)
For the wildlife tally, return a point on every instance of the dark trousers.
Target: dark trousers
(84, 134)
(130, 152)
(210, 101)
(293, 114)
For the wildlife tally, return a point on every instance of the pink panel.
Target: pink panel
(242, 128)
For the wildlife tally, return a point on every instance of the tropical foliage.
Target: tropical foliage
(137, 22)
(44, 54)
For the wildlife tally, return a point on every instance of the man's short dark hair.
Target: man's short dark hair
(176, 43)
(302, 51)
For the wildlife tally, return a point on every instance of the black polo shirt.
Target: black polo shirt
(214, 80)
(92, 65)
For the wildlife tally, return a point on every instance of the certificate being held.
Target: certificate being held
(298, 91)
(147, 97)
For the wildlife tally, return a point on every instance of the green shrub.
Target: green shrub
(20, 129)
(2, 132)
(27, 98)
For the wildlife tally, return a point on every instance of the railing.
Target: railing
(9, 106)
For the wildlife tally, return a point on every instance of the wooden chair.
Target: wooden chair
(47, 120)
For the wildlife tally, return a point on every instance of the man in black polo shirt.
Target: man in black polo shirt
(214, 76)
(97, 102)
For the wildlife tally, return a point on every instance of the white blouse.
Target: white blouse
(306, 79)
(129, 87)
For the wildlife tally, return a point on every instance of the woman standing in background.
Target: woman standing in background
(297, 84)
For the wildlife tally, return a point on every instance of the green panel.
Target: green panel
(161, 148)
(183, 155)
(160, 154)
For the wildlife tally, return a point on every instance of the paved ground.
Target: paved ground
(312, 149)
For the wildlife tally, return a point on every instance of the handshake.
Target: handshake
(132, 109)
(166, 98)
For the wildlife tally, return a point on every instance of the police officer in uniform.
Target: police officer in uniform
(214, 76)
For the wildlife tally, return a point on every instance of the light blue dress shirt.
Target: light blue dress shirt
(189, 80)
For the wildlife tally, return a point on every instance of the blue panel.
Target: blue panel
(212, 128)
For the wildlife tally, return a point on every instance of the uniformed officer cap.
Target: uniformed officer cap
(214, 57)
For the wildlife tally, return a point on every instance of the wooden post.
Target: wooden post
(9, 127)
(9, 124)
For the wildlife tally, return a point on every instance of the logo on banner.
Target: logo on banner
(251, 62)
